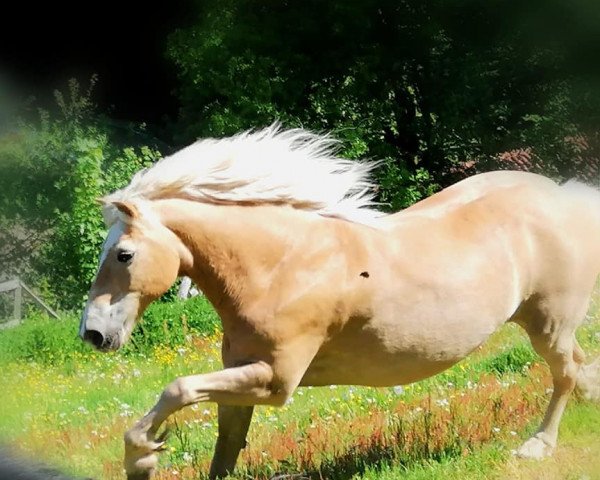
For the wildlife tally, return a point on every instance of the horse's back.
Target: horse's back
(471, 189)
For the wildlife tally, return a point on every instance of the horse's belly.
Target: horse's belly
(366, 360)
(395, 352)
(377, 370)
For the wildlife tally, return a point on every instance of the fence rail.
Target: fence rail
(18, 287)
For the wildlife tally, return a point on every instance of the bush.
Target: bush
(52, 170)
(41, 339)
(50, 341)
(171, 323)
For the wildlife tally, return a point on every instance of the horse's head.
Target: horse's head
(141, 259)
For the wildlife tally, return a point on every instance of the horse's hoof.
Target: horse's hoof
(535, 448)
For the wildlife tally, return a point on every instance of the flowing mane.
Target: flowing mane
(270, 166)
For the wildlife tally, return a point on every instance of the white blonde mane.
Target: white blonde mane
(270, 166)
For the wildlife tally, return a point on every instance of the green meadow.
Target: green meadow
(69, 406)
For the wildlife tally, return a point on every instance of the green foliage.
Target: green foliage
(52, 171)
(401, 188)
(50, 341)
(514, 359)
(409, 82)
(69, 261)
(41, 339)
(171, 323)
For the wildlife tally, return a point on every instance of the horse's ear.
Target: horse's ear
(128, 209)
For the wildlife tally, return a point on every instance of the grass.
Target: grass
(70, 406)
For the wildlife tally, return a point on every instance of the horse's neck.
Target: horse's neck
(233, 247)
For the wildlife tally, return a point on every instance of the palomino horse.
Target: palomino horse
(315, 288)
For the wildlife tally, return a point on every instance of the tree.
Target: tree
(51, 172)
(423, 85)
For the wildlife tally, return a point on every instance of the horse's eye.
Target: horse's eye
(124, 256)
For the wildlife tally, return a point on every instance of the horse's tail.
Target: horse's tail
(588, 195)
(578, 187)
(588, 379)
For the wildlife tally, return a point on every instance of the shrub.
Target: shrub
(171, 323)
(52, 170)
(41, 339)
(51, 341)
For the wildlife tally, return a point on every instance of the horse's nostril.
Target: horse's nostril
(94, 337)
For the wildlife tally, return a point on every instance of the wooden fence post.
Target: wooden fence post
(19, 288)
(18, 301)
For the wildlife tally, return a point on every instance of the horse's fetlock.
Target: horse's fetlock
(547, 439)
(133, 438)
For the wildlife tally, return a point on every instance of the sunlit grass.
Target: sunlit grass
(73, 412)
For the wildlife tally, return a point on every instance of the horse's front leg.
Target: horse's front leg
(247, 385)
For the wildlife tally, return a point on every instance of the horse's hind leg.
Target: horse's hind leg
(552, 336)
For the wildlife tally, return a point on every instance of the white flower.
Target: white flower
(398, 389)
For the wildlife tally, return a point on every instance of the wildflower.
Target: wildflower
(398, 389)
(495, 429)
